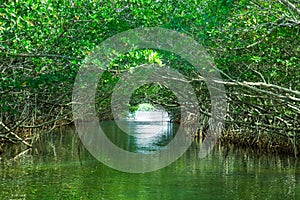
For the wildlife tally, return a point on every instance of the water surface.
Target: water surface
(59, 167)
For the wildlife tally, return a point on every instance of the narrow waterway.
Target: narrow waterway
(59, 167)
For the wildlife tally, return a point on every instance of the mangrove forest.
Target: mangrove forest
(253, 45)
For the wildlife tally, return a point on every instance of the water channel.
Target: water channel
(59, 167)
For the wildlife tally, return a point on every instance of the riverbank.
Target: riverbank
(261, 143)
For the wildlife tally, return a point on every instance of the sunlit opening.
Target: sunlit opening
(148, 113)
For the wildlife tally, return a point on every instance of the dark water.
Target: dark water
(59, 167)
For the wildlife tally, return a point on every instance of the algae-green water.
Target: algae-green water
(59, 167)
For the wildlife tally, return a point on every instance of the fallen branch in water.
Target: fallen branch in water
(21, 154)
(15, 135)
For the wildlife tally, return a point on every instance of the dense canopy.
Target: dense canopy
(255, 44)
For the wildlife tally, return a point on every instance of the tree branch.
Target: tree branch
(289, 4)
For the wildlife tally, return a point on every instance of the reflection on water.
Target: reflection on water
(59, 167)
(144, 129)
(153, 116)
(141, 137)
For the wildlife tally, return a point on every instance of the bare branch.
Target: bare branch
(290, 5)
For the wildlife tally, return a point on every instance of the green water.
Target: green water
(59, 167)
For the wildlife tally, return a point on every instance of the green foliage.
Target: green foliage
(43, 43)
(145, 107)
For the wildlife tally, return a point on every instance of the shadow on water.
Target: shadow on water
(59, 167)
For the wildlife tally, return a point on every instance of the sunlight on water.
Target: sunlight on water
(145, 124)
(151, 116)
